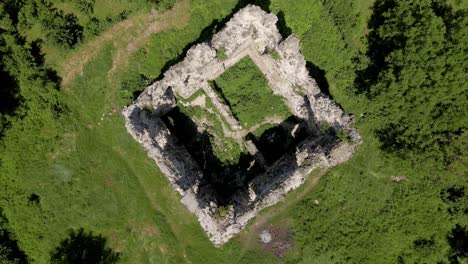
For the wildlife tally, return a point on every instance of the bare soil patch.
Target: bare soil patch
(280, 239)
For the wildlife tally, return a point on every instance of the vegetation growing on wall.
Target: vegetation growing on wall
(83, 247)
(221, 54)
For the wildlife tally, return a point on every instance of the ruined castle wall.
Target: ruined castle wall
(172, 158)
(251, 32)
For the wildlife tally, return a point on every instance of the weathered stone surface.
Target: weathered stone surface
(251, 32)
(250, 24)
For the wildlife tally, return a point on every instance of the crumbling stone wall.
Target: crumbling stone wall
(251, 32)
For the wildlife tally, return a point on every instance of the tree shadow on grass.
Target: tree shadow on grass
(10, 252)
(381, 45)
(84, 247)
(458, 241)
(379, 48)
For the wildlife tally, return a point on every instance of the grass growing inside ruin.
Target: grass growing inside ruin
(275, 55)
(226, 149)
(221, 54)
(247, 92)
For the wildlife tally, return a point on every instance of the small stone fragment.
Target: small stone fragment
(398, 179)
(265, 237)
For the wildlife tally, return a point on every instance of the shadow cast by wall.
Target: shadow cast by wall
(318, 74)
(283, 28)
(221, 180)
(224, 178)
(281, 139)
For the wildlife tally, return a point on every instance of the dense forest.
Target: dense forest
(398, 66)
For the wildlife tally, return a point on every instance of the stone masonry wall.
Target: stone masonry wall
(251, 32)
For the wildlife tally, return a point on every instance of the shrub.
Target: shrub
(221, 54)
(275, 55)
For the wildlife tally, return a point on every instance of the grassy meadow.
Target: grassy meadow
(88, 171)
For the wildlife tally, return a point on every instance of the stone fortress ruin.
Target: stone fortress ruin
(226, 195)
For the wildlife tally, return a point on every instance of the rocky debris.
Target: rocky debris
(251, 24)
(188, 76)
(276, 239)
(265, 237)
(398, 179)
(173, 159)
(251, 32)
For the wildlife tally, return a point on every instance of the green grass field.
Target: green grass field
(89, 172)
(249, 95)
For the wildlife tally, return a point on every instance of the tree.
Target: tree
(65, 29)
(10, 253)
(458, 240)
(415, 79)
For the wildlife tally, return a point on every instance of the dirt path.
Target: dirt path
(127, 37)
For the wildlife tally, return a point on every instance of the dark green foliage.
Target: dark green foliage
(85, 6)
(90, 172)
(368, 218)
(416, 79)
(10, 253)
(132, 83)
(56, 157)
(458, 241)
(165, 4)
(372, 220)
(84, 247)
(9, 91)
(9, 100)
(65, 29)
(93, 27)
(248, 93)
(40, 107)
(343, 17)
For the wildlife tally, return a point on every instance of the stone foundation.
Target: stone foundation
(251, 32)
